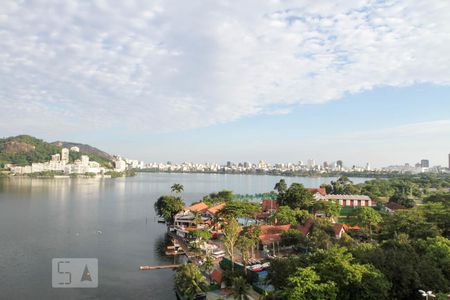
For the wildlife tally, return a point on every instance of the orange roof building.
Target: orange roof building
(198, 207)
(269, 204)
(272, 233)
(321, 191)
(214, 209)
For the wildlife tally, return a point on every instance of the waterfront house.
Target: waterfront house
(191, 218)
(272, 233)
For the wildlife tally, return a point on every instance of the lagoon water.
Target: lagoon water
(109, 219)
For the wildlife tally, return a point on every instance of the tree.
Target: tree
(231, 232)
(297, 196)
(208, 265)
(239, 209)
(241, 288)
(201, 235)
(168, 206)
(353, 280)
(252, 232)
(285, 215)
(281, 268)
(244, 244)
(437, 211)
(402, 199)
(306, 284)
(342, 186)
(438, 197)
(368, 217)
(189, 281)
(281, 188)
(330, 209)
(222, 196)
(177, 188)
(409, 221)
(292, 237)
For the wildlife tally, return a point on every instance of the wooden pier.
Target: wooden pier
(149, 268)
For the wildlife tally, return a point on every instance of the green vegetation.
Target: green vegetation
(177, 188)
(286, 215)
(231, 232)
(239, 209)
(215, 198)
(190, 282)
(24, 150)
(402, 252)
(296, 196)
(168, 206)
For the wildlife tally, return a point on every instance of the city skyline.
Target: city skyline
(360, 81)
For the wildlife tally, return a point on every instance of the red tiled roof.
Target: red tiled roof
(269, 238)
(307, 227)
(348, 227)
(321, 191)
(274, 229)
(272, 233)
(338, 228)
(213, 210)
(268, 204)
(216, 276)
(201, 206)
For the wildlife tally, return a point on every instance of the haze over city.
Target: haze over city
(360, 81)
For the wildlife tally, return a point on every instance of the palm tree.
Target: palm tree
(189, 281)
(241, 288)
(177, 188)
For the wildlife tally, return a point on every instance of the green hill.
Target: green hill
(24, 150)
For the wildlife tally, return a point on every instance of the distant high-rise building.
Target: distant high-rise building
(65, 155)
(449, 161)
(425, 163)
(368, 168)
(56, 157)
(339, 164)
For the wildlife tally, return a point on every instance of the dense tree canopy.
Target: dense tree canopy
(168, 206)
(297, 197)
(189, 281)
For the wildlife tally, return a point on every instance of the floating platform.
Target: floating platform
(149, 268)
(174, 253)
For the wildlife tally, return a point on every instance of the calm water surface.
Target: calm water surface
(41, 219)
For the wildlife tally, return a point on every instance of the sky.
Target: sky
(279, 80)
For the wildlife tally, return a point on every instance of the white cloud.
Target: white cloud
(169, 65)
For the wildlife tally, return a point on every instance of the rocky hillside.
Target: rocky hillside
(25, 149)
(84, 148)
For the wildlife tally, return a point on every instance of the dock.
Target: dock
(181, 243)
(149, 268)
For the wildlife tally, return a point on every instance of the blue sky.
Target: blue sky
(362, 80)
